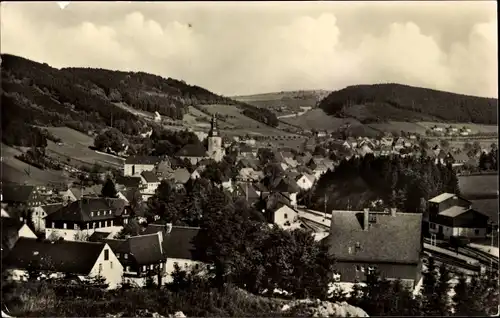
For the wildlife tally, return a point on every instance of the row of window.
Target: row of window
(369, 270)
(98, 213)
(144, 267)
(97, 224)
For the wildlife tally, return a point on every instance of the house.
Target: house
(452, 215)
(364, 150)
(459, 159)
(287, 188)
(83, 217)
(283, 216)
(193, 152)
(135, 165)
(246, 150)
(62, 258)
(150, 183)
(74, 193)
(227, 183)
(128, 182)
(386, 141)
(157, 117)
(305, 181)
(141, 256)
(364, 241)
(21, 195)
(12, 230)
(195, 174)
(181, 176)
(39, 214)
(247, 190)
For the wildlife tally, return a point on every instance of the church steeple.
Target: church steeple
(214, 132)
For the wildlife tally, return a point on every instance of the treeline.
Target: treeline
(384, 182)
(438, 104)
(262, 115)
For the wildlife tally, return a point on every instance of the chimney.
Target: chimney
(393, 211)
(169, 228)
(366, 214)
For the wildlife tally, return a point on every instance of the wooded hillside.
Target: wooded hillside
(381, 102)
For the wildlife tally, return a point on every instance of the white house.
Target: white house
(305, 181)
(40, 212)
(149, 184)
(284, 216)
(59, 258)
(157, 117)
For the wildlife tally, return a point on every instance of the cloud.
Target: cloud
(229, 53)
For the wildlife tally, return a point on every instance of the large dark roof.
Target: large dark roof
(51, 208)
(16, 193)
(181, 243)
(61, 256)
(142, 160)
(80, 210)
(285, 185)
(128, 182)
(192, 150)
(145, 249)
(149, 176)
(392, 239)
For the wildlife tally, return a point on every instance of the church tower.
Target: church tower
(214, 142)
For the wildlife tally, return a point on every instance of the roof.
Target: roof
(142, 160)
(260, 187)
(51, 208)
(98, 236)
(146, 249)
(80, 210)
(442, 197)
(308, 176)
(94, 190)
(192, 150)
(285, 185)
(16, 193)
(181, 243)
(252, 194)
(128, 182)
(62, 256)
(150, 177)
(394, 239)
(181, 175)
(453, 211)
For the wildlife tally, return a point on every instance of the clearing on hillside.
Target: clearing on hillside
(398, 126)
(317, 119)
(475, 128)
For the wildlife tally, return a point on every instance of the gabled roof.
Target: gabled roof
(181, 243)
(16, 193)
(98, 236)
(454, 211)
(146, 249)
(142, 160)
(51, 208)
(391, 239)
(192, 150)
(61, 256)
(128, 182)
(285, 185)
(79, 211)
(93, 191)
(248, 188)
(149, 176)
(442, 197)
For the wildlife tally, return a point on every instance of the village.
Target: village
(78, 231)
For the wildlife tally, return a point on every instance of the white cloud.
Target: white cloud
(258, 55)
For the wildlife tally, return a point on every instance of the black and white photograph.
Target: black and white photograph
(249, 159)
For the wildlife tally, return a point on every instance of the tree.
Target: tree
(109, 189)
(444, 143)
(110, 139)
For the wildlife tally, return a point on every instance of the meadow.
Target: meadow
(475, 128)
(478, 185)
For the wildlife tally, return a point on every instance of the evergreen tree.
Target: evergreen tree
(109, 189)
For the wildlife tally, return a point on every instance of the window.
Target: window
(336, 277)
(476, 231)
(144, 267)
(358, 268)
(286, 216)
(111, 223)
(65, 226)
(98, 213)
(100, 267)
(127, 268)
(371, 270)
(125, 256)
(75, 226)
(111, 265)
(151, 266)
(105, 223)
(106, 255)
(109, 212)
(118, 255)
(36, 213)
(358, 245)
(432, 226)
(88, 226)
(53, 225)
(91, 214)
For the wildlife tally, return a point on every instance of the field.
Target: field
(14, 170)
(478, 185)
(75, 149)
(319, 120)
(399, 126)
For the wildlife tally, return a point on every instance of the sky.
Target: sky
(238, 48)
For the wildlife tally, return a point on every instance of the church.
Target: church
(214, 151)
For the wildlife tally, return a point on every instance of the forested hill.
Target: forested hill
(86, 99)
(406, 103)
